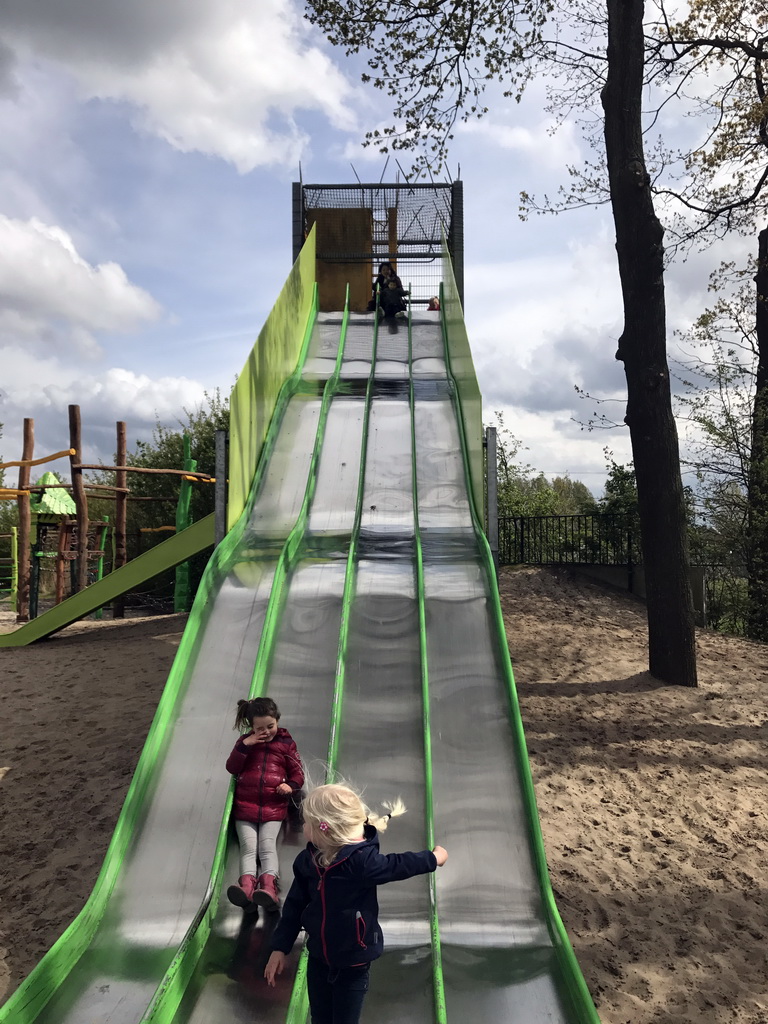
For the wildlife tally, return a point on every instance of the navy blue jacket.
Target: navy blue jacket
(337, 905)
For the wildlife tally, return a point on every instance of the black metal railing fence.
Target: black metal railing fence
(569, 540)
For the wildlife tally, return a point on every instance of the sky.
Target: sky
(147, 152)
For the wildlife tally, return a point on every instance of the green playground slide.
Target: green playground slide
(166, 555)
(355, 586)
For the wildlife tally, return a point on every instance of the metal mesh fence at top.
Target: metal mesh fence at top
(419, 213)
(365, 225)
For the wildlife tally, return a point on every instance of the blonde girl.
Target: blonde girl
(333, 897)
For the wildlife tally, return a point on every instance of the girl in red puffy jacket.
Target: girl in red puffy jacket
(269, 771)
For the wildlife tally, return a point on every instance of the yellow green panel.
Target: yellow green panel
(466, 382)
(272, 360)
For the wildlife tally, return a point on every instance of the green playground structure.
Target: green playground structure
(356, 587)
(138, 571)
(9, 566)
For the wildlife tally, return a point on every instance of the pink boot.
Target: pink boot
(242, 893)
(266, 894)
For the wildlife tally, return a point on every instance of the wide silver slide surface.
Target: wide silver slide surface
(497, 960)
(407, 519)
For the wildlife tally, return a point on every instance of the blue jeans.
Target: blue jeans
(336, 994)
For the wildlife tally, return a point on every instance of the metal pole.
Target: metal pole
(34, 576)
(121, 513)
(181, 601)
(298, 219)
(78, 493)
(102, 539)
(220, 487)
(25, 523)
(15, 565)
(492, 494)
(456, 240)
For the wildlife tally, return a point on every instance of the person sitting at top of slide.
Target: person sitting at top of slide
(391, 292)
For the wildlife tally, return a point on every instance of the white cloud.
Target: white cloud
(43, 387)
(546, 149)
(213, 76)
(556, 446)
(48, 292)
(541, 324)
(8, 82)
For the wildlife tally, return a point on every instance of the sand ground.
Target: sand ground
(652, 798)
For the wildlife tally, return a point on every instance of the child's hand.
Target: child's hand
(441, 855)
(250, 740)
(284, 789)
(275, 966)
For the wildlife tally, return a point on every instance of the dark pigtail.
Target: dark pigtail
(242, 719)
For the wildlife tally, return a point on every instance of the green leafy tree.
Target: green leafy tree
(525, 492)
(573, 496)
(721, 381)
(620, 491)
(725, 187)
(166, 451)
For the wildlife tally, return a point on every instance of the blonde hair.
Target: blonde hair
(336, 816)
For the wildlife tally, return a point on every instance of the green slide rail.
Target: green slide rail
(434, 924)
(26, 1003)
(298, 1007)
(457, 352)
(166, 555)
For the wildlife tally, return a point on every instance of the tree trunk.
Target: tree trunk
(757, 490)
(642, 348)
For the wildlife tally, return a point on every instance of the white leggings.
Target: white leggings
(258, 843)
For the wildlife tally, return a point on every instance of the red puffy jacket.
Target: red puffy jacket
(260, 769)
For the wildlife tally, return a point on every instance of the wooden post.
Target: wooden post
(25, 523)
(121, 518)
(78, 493)
(63, 546)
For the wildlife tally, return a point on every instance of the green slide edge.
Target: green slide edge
(165, 555)
(578, 992)
(272, 358)
(457, 346)
(438, 981)
(27, 1001)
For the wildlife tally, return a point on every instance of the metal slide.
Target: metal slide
(359, 594)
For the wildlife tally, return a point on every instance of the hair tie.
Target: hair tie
(323, 826)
